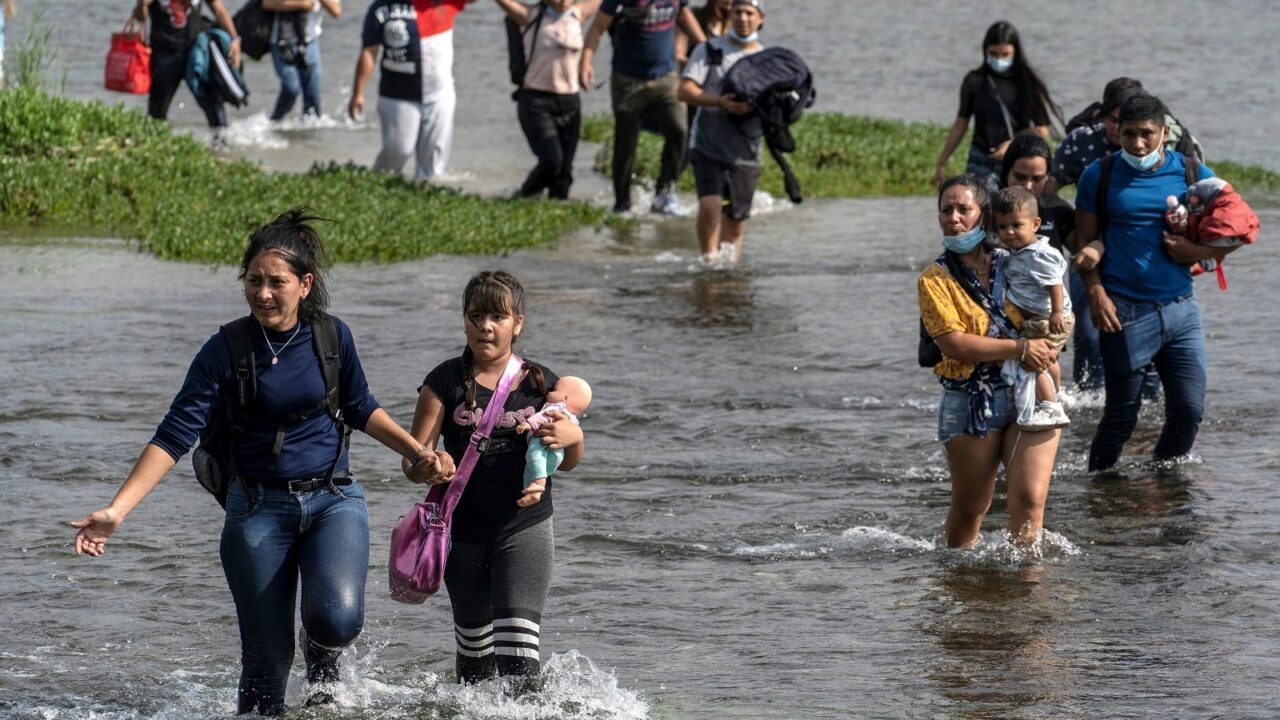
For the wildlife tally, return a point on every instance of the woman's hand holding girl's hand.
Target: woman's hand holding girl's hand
(95, 530)
(561, 432)
(431, 467)
(1040, 355)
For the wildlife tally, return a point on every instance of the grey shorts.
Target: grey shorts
(735, 183)
(953, 412)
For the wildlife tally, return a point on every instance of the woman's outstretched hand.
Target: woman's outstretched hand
(95, 530)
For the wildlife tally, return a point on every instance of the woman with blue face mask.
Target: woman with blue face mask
(961, 297)
(1003, 95)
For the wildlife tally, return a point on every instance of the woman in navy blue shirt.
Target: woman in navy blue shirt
(293, 510)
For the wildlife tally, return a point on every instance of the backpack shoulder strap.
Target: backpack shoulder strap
(1193, 168)
(715, 55)
(244, 383)
(324, 338)
(1104, 186)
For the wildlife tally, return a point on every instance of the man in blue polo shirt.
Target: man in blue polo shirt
(644, 83)
(1140, 294)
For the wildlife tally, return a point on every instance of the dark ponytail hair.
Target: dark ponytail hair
(292, 238)
(1025, 144)
(490, 292)
(1032, 91)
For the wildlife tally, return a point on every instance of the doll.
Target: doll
(570, 396)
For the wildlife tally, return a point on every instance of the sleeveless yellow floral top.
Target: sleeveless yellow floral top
(945, 307)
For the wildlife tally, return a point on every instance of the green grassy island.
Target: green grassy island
(96, 169)
(87, 167)
(843, 156)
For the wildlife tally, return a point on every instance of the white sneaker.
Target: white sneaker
(666, 204)
(1047, 416)
(1067, 399)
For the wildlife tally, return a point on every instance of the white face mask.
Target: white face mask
(1145, 163)
(999, 65)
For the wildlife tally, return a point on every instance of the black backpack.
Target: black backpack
(517, 59)
(778, 86)
(254, 26)
(214, 458)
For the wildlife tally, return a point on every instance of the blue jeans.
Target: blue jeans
(295, 81)
(1170, 336)
(271, 538)
(1086, 353)
(980, 163)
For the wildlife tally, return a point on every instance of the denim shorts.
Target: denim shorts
(953, 412)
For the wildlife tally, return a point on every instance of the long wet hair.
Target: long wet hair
(1025, 144)
(1032, 91)
(292, 238)
(493, 292)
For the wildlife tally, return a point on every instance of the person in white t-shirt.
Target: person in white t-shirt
(416, 94)
(724, 150)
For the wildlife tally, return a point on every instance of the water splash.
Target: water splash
(572, 688)
(874, 538)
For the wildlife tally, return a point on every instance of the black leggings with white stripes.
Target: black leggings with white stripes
(498, 591)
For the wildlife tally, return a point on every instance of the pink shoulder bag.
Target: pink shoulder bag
(420, 539)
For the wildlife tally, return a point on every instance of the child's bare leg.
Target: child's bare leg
(1045, 387)
(1055, 370)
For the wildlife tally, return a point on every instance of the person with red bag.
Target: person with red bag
(174, 27)
(500, 561)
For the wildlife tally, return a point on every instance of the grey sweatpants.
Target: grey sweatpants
(497, 591)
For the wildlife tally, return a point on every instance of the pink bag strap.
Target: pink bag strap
(480, 437)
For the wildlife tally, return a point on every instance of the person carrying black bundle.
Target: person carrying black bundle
(725, 153)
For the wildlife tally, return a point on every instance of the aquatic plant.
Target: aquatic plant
(36, 55)
(840, 156)
(91, 168)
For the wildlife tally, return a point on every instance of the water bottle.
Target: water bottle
(1176, 215)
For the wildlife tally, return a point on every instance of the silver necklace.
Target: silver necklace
(275, 354)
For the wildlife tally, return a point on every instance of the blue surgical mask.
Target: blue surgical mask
(744, 39)
(999, 66)
(554, 14)
(1146, 163)
(964, 242)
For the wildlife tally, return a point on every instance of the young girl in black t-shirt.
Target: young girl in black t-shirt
(1003, 95)
(500, 560)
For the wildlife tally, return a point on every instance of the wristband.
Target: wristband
(1025, 344)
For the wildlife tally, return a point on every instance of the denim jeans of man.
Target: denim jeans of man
(295, 81)
(1170, 336)
(1086, 353)
(270, 540)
